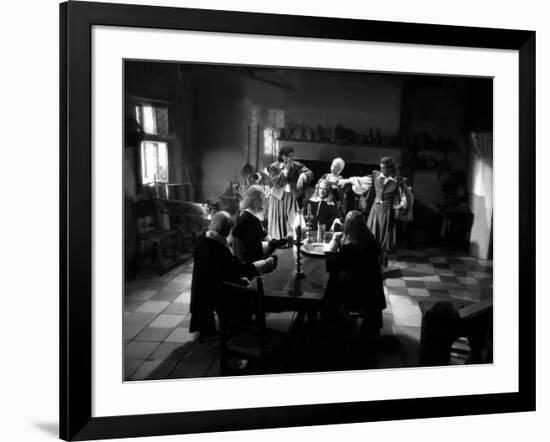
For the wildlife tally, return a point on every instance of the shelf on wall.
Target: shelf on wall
(351, 153)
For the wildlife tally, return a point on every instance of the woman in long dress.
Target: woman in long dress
(384, 198)
(288, 178)
(388, 199)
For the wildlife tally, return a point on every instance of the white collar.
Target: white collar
(256, 214)
(212, 234)
(387, 178)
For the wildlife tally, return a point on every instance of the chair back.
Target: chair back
(239, 249)
(146, 216)
(240, 310)
(259, 312)
(241, 306)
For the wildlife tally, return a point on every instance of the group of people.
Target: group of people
(214, 263)
(360, 238)
(383, 197)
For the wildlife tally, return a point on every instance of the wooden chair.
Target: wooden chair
(247, 345)
(162, 244)
(444, 322)
(239, 249)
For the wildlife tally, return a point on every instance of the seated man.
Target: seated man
(213, 264)
(323, 209)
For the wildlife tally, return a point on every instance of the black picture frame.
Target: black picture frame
(76, 21)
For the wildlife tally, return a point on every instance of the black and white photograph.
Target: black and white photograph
(242, 221)
(281, 220)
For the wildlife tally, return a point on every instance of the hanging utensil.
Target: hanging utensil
(273, 146)
(247, 169)
(257, 146)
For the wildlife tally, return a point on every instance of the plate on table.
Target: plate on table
(314, 248)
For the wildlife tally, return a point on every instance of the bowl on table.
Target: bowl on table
(315, 248)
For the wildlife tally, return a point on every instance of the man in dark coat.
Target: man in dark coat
(213, 264)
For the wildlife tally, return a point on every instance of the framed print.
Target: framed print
(272, 220)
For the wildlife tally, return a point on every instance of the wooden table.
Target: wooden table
(284, 292)
(282, 289)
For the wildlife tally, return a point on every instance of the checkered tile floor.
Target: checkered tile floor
(158, 344)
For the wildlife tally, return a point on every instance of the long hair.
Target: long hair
(252, 198)
(285, 150)
(316, 194)
(356, 230)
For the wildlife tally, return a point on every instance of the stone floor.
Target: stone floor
(159, 344)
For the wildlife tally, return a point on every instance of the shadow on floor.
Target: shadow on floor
(50, 428)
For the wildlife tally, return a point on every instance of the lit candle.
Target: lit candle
(298, 223)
